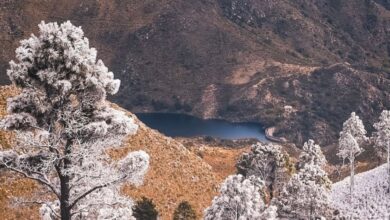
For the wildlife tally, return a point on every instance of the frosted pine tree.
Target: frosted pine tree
(266, 161)
(311, 154)
(382, 139)
(65, 128)
(306, 195)
(352, 134)
(240, 199)
(354, 125)
(271, 213)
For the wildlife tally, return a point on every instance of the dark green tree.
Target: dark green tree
(145, 209)
(184, 212)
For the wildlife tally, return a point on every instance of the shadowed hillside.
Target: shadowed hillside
(232, 59)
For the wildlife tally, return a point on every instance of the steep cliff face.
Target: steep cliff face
(201, 57)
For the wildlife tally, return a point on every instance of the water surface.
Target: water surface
(181, 125)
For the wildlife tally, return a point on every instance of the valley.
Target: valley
(180, 125)
(214, 109)
(237, 60)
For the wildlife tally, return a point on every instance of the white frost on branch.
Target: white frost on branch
(351, 136)
(382, 140)
(240, 198)
(311, 154)
(266, 161)
(306, 195)
(354, 125)
(348, 147)
(135, 165)
(382, 134)
(65, 127)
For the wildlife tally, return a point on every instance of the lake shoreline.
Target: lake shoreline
(269, 134)
(184, 125)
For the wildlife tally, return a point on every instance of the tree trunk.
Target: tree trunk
(65, 196)
(64, 182)
(352, 177)
(388, 167)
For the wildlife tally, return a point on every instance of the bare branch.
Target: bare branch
(96, 188)
(40, 203)
(42, 181)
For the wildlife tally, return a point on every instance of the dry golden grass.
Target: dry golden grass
(5, 92)
(221, 158)
(9, 187)
(175, 174)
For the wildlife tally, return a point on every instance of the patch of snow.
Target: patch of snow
(370, 200)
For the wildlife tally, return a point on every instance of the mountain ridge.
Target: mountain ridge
(181, 56)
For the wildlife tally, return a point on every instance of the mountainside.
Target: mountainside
(241, 60)
(371, 199)
(175, 174)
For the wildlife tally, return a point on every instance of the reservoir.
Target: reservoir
(181, 125)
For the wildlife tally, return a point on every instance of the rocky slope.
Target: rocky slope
(235, 59)
(313, 105)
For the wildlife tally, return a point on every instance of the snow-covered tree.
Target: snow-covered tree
(382, 138)
(267, 161)
(306, 195)
(351, 136)
(354, 125)
(270, 213)
(240, 199)
(311, 154)
(65, 128)
(349, 149)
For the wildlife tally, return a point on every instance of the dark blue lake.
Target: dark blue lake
(180, 125)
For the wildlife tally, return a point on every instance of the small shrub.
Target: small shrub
(184, 212)
(145, 209)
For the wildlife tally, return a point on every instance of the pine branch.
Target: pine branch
(96, 188)
(42, 181)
